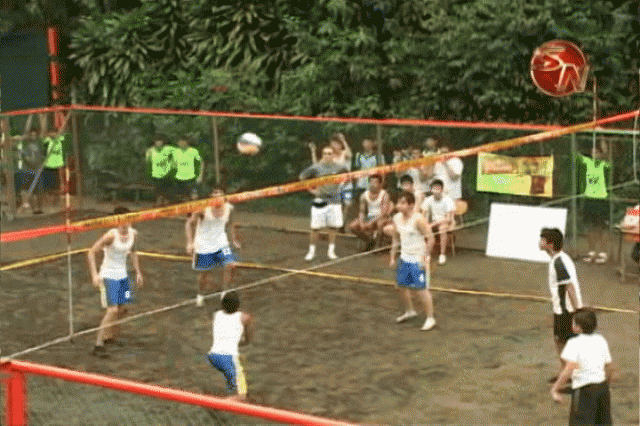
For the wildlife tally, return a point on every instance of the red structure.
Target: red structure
(15, 380)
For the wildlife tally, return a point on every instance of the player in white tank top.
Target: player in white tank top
(410, 230)
(207, 240)
(230, 325)
(112, 279)
(374, 213)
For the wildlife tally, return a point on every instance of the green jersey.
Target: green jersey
(160, 161)
(596, 175)
(55, 152)
(187, 163)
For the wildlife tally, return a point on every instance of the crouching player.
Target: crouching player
(112, 280)
(413, 271)
(231, 328)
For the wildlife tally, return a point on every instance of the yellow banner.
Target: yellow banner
(515, 175)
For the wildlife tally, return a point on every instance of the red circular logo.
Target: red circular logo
(559, 68)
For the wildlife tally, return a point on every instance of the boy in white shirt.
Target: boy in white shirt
(438, 210)
(209, 244)
(231, 328)
(113, 279)
(588, 364)
(413, 272)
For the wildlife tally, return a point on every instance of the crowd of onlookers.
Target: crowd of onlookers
(437, 188)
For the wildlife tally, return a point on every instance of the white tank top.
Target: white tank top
(227, 332)
(114, 264)
(412, 243)
(374, 208)
(210, 231)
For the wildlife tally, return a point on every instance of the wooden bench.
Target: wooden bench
(136, 188)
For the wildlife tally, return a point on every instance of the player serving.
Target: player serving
(413, 272)
(209, 244)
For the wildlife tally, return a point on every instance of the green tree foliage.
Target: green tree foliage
(443, 59)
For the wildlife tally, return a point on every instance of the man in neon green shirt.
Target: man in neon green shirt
(189, 170)
(54, 162)
(596, 207)
(160, 164)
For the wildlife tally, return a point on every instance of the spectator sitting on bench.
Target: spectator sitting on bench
(438, 211)
(631, 223)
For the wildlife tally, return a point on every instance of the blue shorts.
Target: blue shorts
(206, 261)
(230, 366)
(115, 292)
(411, 275)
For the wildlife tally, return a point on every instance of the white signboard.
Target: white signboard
(514, 230)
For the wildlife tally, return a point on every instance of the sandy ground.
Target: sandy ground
(324, 346)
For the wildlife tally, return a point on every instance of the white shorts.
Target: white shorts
(329, 216)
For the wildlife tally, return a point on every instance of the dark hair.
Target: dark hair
(406, 178)
(159, 137)
(411, 199)
(121, 210)
(553, 236)
(437, 182)
(379, 177)
(586, 320)
(230, 302)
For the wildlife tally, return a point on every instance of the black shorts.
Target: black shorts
(591, 405)
(162, 185)
(562, 326)
(596, 212)
(184, 188)
(50, 180)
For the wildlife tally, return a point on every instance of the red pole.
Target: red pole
(16, 398)
(54, 72)
(185, 397)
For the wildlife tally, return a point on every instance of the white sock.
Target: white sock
(332, 248)
(312, 248)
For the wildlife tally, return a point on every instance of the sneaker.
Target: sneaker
(99, 351)
(442, 259)
(331, 255)
(199, 301)
(602, 258)
(309, 256)
(429, 324)
(590, 257)
(406, 316)
(113, 341)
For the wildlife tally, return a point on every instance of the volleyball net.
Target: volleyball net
(105, 155)
(105, 165)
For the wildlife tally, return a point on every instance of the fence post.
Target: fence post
(16, 396)
(574, 193)
(76, 151)
(216, 148)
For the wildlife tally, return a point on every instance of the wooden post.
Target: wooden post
(379, 138)
(574, 193)
(76, 152)
(216, 148)
(7, 165)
